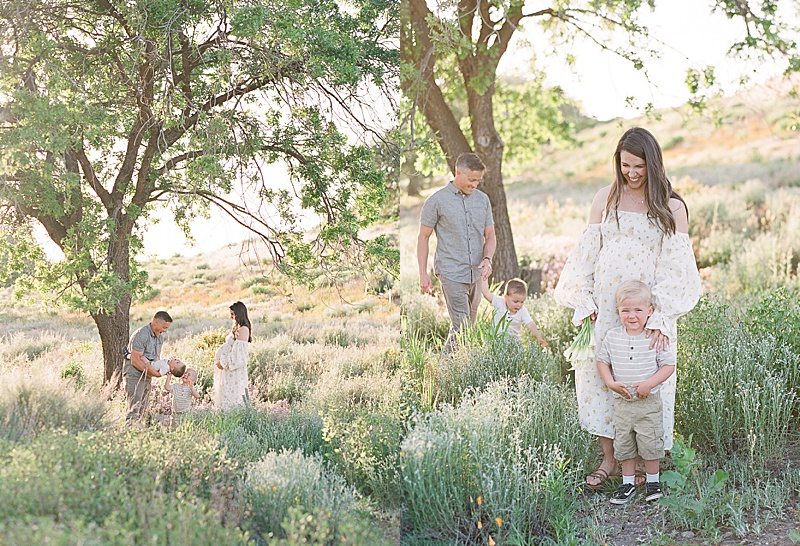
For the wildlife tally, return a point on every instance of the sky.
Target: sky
(165, 239)
(694, 37)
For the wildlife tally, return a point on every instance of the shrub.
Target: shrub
(512, 452)
(497, 358)
(74, 371)
(424, 319)
(28, 408)
(290, 479)
(248, 434)
(304, 528)
(125, 482)
(365, 446)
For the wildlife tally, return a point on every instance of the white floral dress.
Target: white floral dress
(230, 383)
(605, 257)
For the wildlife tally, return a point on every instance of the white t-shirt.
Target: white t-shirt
(514, 321)
(161, 366)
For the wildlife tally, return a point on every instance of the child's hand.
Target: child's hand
(642, 389)
(542, 341)
(620, 388)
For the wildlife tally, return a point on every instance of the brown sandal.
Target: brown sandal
(598, 474)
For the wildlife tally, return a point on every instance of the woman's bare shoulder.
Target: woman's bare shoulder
(243, 332)
(678, 209)
(599, 204)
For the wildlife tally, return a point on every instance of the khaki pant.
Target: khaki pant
(639, 428)
(137, 394)
(462, 301)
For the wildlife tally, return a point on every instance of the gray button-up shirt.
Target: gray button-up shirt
(459, 221)
(146, 341)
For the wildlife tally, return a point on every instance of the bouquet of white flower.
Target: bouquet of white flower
(581, 352)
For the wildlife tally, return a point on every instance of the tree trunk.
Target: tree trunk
(416, 46)
(408, 168)
(114, 332)
(114, 328)
(489, 147)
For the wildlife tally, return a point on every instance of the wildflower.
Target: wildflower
(480, 525)
(491, 541)
(480, 501)
(499, 521)
(581, 352)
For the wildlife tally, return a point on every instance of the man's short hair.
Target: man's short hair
(163, 315)
(634, 289)
(516, 286)
(470, 162)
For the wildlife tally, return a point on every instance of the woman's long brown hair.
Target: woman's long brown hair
(658, 190)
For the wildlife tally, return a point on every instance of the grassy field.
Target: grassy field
(359, 435)
(309, 460)
(502, 419)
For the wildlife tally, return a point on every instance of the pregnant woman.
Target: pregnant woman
(230, 372)
(638, 229)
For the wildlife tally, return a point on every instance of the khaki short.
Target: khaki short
(639, 428)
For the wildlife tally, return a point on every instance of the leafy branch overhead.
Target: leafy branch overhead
(109, 110)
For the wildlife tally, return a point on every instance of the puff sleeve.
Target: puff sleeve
(575, 286)
(676, 288)
(236, 357)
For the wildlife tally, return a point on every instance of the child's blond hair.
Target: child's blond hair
(516, 286)
(634, 289)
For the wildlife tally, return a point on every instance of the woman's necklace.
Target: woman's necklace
(639, 200)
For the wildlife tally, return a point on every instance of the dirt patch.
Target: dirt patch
(640, 522)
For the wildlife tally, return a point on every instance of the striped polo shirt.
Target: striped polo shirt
(181, 398)
(631, 358)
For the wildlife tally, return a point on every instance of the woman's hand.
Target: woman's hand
(660, 341)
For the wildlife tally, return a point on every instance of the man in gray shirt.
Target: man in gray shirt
(461, 216)
(144, 347)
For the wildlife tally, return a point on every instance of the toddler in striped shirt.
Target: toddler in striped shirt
(635, 372)
(182, 394)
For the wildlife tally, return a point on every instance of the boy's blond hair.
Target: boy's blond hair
(516, 286)
(634, 289)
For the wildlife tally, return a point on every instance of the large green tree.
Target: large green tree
(111, 108)
(452, 48)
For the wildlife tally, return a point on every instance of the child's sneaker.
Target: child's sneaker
(623, 494)
(653, 491)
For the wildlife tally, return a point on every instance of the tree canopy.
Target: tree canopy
(109, 109)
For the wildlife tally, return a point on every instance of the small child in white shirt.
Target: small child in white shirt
(169, 366)
(509, 310)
